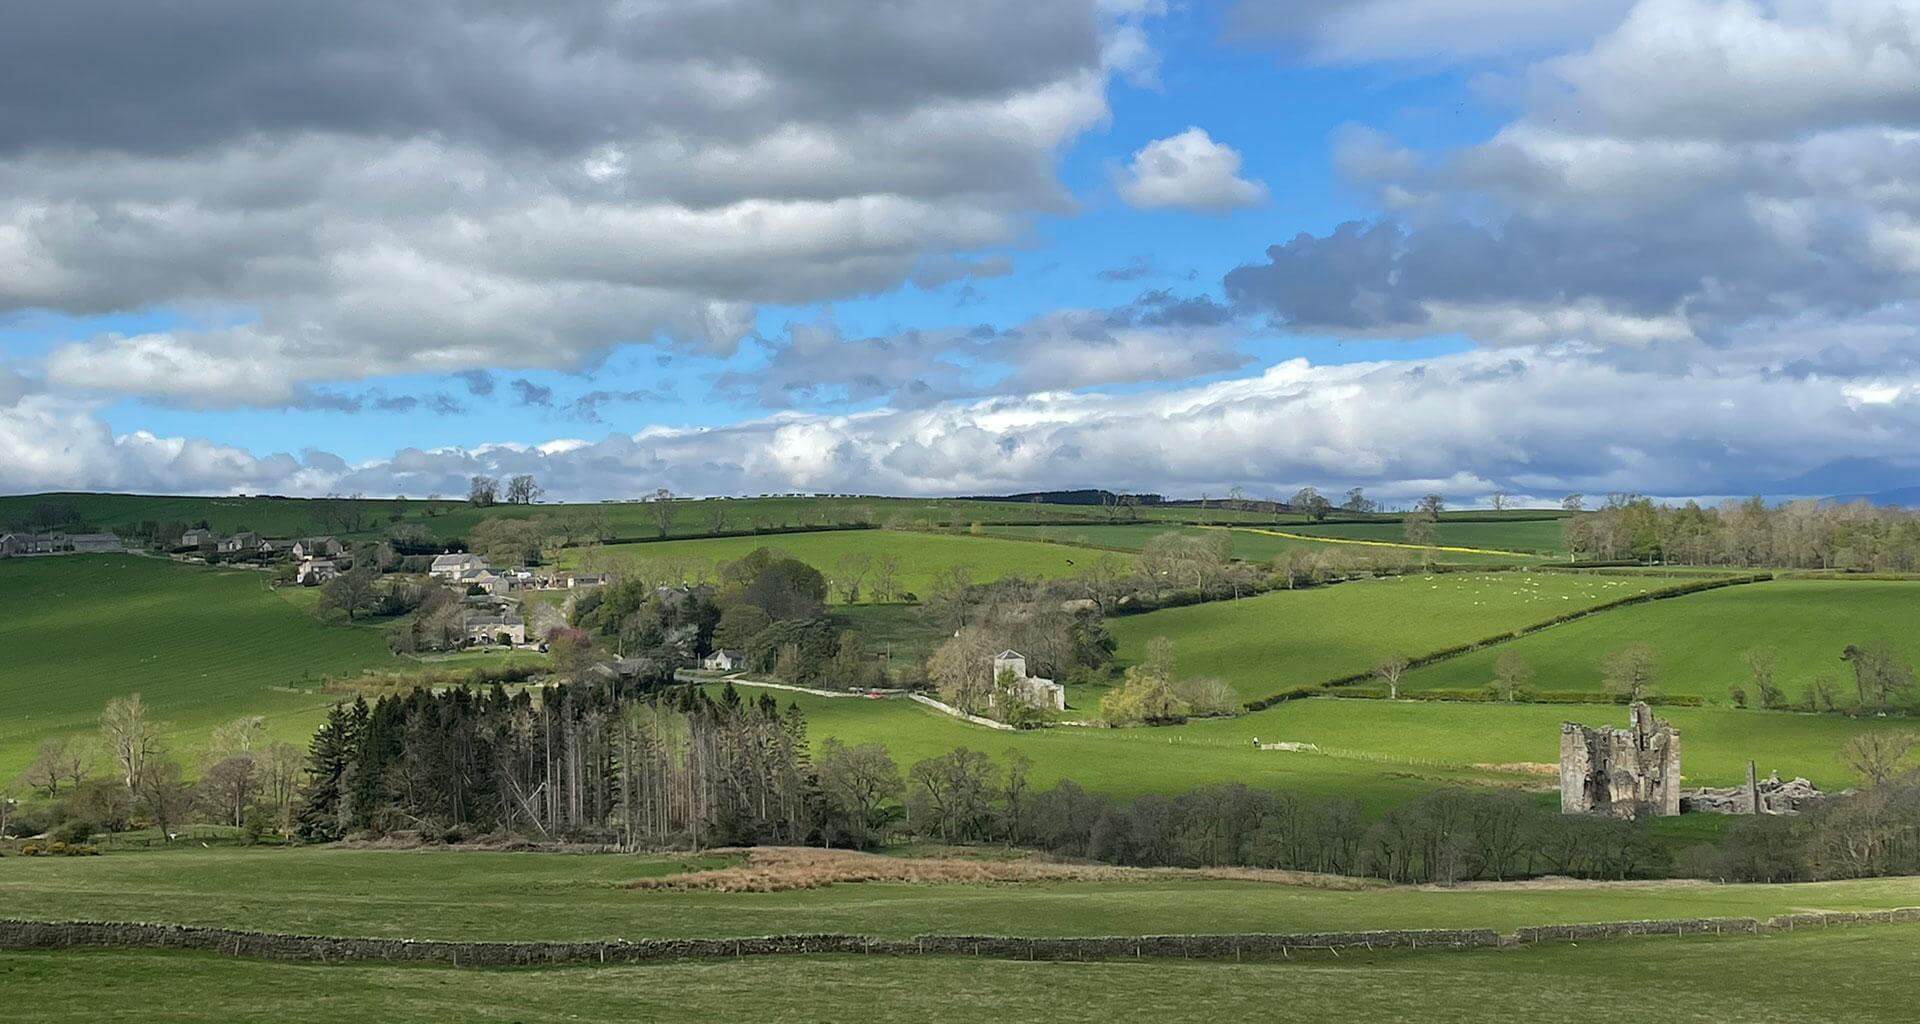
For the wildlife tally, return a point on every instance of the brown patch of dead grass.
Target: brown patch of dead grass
(783, 869)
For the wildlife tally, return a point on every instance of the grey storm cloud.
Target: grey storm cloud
(1613, 213)
(354, 188)
(526, 392)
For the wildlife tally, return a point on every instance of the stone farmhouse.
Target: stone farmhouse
(492, 625)
(246, 543)
(196, 537)
(450, 567)
(1038, 692)
(1623, 773)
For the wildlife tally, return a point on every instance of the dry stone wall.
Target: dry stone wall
(16, 934)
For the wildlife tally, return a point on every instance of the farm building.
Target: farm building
(196, 538)
(15, 544)
(1038, 692)
(243, 544)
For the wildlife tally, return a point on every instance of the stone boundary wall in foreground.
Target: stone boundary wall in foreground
(15, 934)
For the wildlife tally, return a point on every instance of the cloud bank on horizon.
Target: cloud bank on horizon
(732, 246)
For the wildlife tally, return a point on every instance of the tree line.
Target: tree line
(1797, 534)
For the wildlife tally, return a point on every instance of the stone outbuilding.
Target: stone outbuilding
(1624, 773)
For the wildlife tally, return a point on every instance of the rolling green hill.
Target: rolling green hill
(1254, 544)
(1264, 645)
(1699, 638)
(200, 646)
(1537, 535)
(920, 555)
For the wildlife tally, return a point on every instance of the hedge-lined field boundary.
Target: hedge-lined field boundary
(17, 934)
(1662, 594)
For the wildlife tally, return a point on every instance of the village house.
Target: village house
(451, 567)
(317, 547)
(723, 661)
(315, 571)
(196, 537)
(1040, 693)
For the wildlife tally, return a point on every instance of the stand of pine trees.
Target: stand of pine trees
(590, 762)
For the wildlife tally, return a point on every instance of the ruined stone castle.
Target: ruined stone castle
(1624, 773)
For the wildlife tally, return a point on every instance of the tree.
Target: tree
(951, 796)
(1389, 671)
(523, 490)
(483, 491)
(662, 509)
(352, 591)
(1881, 678)
(1511, 676)
(229, 788)
(1877, 756)
(1432, 503)
(508, 540)
(856, 783)
(1761, 663)
(886, 575)
(1630, 672)
(130, 739)
(849, 572)
(162, 791)
(1309, 502)
(1500, 500)
(1358, 503)
(1573, 502)
(1418, 527)
(962, 670)
(58, 762)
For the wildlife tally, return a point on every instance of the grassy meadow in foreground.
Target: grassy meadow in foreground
(1699, 638)
(201, 646)
(443, 894)
(1681, 981)
(1271, 643)
(919, 555)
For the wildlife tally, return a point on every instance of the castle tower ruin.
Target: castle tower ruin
(1621, 772)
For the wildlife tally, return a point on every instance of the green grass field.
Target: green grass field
(1264, 645)
(1682, 981)
(1699, 638)
(200, 646)
(1251, 543)
(920, 555)
(1543, 536)
(441, 894)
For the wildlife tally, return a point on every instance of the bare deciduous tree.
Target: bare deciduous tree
(1389, 671)
(1877, 756)
(130, 739)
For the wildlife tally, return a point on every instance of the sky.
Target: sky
(915, 247)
